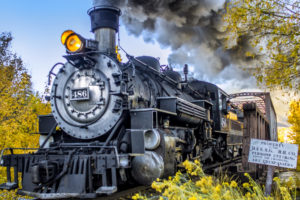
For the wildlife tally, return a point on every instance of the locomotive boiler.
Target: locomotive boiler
(114, 124)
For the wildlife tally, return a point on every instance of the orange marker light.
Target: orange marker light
(64, 36)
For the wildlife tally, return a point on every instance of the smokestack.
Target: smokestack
(105, 24)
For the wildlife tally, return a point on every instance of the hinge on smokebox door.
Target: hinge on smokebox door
(119, 78)
(120, 105)
(122, 82)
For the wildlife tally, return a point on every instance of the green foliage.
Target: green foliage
(272, 27)
(19, 105)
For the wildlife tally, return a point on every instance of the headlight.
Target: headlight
(72, 41)
(152, 139)
(75, 43)
(43, 138)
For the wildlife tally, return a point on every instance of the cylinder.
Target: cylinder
(147, 168)
(105, 24)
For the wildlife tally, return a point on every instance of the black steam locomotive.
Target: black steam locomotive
(121, 123)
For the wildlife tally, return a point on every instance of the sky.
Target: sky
(36, 27)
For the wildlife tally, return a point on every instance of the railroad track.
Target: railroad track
(222, 164)
(127, 194)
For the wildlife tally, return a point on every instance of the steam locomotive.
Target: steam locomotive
(115, 123)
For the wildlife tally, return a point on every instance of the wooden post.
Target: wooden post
(269, 180)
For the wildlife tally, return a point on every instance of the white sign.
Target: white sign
(273, 153)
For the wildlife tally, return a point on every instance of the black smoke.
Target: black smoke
(194, 30)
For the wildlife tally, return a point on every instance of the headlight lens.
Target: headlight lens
(74, 43)
(152, 139)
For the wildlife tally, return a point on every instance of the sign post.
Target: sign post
(272, 153)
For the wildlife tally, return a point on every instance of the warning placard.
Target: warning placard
(273, 153)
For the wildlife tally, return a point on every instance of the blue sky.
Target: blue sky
(36, 26)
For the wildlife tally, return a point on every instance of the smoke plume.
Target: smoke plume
(193, 30)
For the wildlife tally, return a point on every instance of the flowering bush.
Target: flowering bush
(196, 185)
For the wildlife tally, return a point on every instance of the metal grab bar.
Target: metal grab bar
(12, 152)
(101, 147)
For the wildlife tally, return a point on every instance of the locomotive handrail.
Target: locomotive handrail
(12, 152)
(153, 109)
(52, 73)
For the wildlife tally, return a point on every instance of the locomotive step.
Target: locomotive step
(106, 190)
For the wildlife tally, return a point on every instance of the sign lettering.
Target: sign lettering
(273, 153)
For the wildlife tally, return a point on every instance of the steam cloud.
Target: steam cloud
(193, 30)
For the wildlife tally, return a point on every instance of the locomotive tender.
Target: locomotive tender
(121, 123)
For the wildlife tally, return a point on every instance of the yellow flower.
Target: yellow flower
(290, 183)
(218, 188)
(227, 196)
(246, 174)
(194, 173)
(160, 198)
(248, 195)
(215, 196)
(246, 185)
(233, 184)
(204, 190)
(226, 184)
(201, 182)
(197, 162)
(276, 179)
(188, 166)
(135, 197)
(157, 186)
(192, 198)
